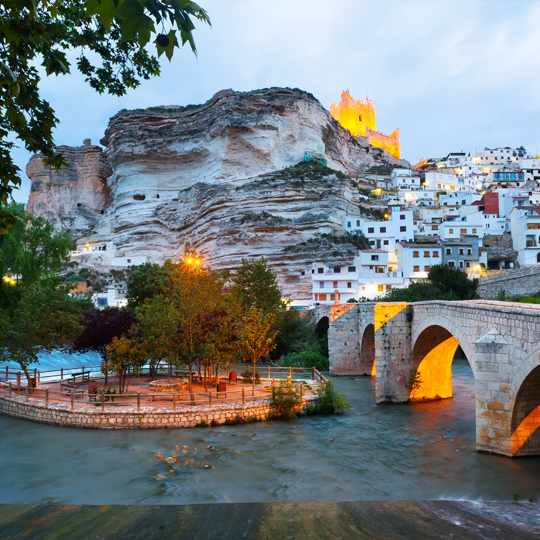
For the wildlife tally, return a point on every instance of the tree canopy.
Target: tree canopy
(443, 283)
(254, 285)
(111, 39)
(148, 280)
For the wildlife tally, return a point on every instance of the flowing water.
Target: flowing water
(421, 451)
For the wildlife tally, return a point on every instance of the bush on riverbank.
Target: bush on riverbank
(286, 400)
(329, 400)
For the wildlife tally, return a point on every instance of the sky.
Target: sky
(453, 76)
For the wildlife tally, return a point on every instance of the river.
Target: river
(420, 451)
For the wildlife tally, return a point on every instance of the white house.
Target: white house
(415, 260)
(526, 234)
(383, 234)
(367, 278)
(404, 179)
(449, 182)
(472, 224)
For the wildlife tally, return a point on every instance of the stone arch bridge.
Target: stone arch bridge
(409, 349)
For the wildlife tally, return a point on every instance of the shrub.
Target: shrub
(329, 400)
(202, 423)
(307, 359)
(286, 400)
(247, 378)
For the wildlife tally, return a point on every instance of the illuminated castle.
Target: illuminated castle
(359, 118)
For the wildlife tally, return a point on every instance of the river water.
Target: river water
(420, 451)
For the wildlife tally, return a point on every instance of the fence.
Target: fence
(11, 384)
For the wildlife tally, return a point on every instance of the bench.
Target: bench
(84, 375)
(66, 388)
(166, 396)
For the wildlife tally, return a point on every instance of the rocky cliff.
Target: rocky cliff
(73, 198)
(224, 176)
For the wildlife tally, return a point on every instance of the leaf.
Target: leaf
(169, 49)
(136, 22)
(104, 8)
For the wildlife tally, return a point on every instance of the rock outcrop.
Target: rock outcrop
(72, 198)
(224, 177)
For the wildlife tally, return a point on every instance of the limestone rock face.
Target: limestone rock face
(223, 176)
(72, 198)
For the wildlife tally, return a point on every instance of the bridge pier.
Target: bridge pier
(492, 383)
(392, 352)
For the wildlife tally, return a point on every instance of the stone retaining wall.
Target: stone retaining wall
(522, 281)
(126, 418)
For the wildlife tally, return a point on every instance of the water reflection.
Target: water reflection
(419, 451)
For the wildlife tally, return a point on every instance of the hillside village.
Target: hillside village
(477, 211)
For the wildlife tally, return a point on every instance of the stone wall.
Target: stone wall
(516, 282)
(126, 418)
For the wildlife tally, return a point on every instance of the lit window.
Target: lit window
(380, 288)
(450, 231)
(388, 288)
(474, 231)
(463, 231)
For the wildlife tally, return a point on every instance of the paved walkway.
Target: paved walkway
(388, 520)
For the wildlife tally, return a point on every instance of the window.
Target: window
(348, 224)
(383, 229)
(332, 297)
(463, 231)
(303, 272)
(461, 264)
(334, 284)
(402, 216)
(448, 251)
(321, 284)
(385, 242)
(435, 253)
(374, 257)
(358, 223)
(312, 270)
(416, 269)
(129, 261)
(371, 230)
(426, 268)
(322, 297)
(352, 268)
(469, 251)
(461, 251)
(474, 231)
(426, 253)
(467, 264)
(320, 270)
(388, 288)
(349, 285)
(337, 270)
(403, 229)
(450, 231)
(451, 264)
(380, 288)
(416, 254)
(372, 242)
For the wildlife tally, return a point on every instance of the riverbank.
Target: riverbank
(389, 520)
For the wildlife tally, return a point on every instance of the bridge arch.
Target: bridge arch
(524, 408)
(433, 347)
(367, 350)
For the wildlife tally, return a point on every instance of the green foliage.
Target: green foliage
(414, 381)
(32, 247)
(308, 170)
(147, 281)
(248, 378)
(286, 400)
(110, 38)
(45, 319)
(443, 283)
(309, 358)
(329, 400)
(254, 285)
(124, 358)
(328, 241)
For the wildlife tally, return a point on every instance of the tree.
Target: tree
(452, 281)
(125, 358)
(443, 283)
(32, 247)
(148, 280)
(111, 38)
(254, 285)
(256, 336)
(100, 327)
(46, 318)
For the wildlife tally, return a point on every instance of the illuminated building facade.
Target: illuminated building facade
(359, 118)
